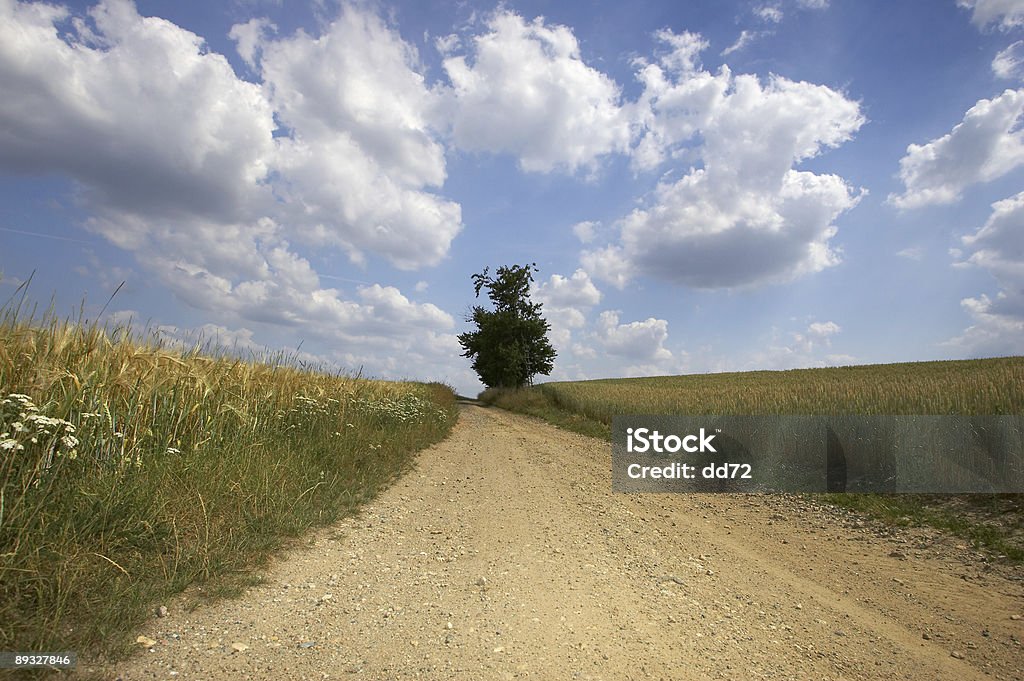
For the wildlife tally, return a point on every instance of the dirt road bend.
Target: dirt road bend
(505, 555)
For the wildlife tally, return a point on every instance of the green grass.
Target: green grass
(991, 522)
(994, 523)
(540, 401)
(130, 471)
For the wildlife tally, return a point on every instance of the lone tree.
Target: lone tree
(510, 345)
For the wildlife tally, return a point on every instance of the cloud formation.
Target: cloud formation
(363, 152)
(373, 359)
(640, 341)
(216, 184)
(1004, 14)
(745, 38)
(585, 231)
(986, 145)
(796, 349)
(132, 108)
(566, 301)
(747, 216)
(770, 12)
(233, 193)
(524, 89)
(1009, 62)
(573, 291)
(998, 247)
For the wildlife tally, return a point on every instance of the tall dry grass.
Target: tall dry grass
(983, 386)
(130, 470)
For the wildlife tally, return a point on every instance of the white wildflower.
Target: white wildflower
(44, 422)
(11, 446)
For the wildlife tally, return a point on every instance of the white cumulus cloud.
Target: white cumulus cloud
(576, 290)
(248, 38)
(683, 50)
(358, 167)
(608, 264)
(642, 341)
(986, 145)
(747, 216)
(566, 301)
(998, 247)
(823, 330)
(585, 231)
(134, 109)
(524, 89)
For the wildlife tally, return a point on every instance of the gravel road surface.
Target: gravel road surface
(505, 555)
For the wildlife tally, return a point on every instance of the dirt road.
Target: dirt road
(504, 555)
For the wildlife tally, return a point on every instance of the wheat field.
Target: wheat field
(982, 386)
(131, 469)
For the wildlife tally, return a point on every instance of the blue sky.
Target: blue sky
(705, 186)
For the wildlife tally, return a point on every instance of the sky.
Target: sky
(703, 186)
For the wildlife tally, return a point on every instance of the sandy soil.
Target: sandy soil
(504, 555)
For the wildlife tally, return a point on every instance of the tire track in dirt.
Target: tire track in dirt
(504, 555)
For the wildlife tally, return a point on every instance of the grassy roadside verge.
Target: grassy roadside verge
(130, 471)
(991, 523)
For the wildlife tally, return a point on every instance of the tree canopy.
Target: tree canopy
(510, 345)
